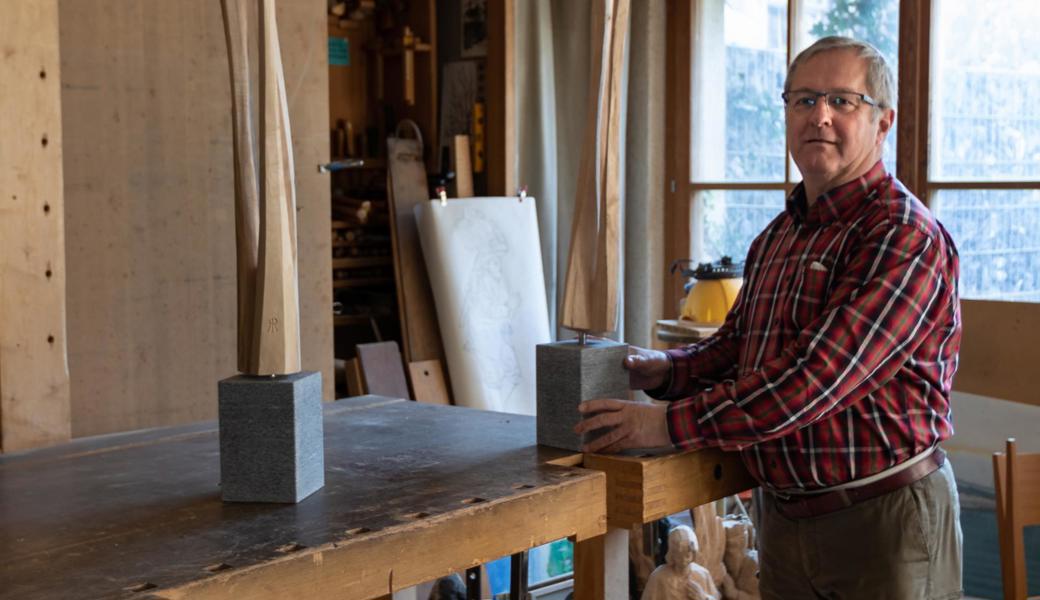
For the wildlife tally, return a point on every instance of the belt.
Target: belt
(814, 505)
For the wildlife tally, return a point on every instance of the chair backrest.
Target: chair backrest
(1016, 479)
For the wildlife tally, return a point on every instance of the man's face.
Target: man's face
(829, 147)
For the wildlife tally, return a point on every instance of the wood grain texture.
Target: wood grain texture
(151, 292)
(590, 298)
(996, 358)
(34, 376)
(641, 489)
(1016, 478)
(412, 493)
(677, 147)
(460, 160)
(420, 333)
(501, 150)
(428, 383)
(247, 195)
(915, 25)
(276, 329)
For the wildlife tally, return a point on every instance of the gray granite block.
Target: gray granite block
(272, 446)
(568, 374)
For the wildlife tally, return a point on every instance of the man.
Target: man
(832, 372)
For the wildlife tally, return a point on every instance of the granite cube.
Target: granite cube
(272, 445)
(569, 373)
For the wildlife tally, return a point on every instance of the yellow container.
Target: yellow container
(709, 300)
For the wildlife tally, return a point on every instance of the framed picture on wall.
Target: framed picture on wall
(474, 28)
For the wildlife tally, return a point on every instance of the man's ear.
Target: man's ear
(885, 121)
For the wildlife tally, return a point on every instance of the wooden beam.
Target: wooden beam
(641, 489)
(501, 150)
(913, 114)
(677, 147)
(34, 375)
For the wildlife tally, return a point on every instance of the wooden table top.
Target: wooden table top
(412, 492)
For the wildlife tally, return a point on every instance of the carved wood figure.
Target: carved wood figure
(712, 537)
(680, 578)
(265, 200)
(741, 581)
(590, 299)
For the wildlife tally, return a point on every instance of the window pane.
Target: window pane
(872, 21)
(985, 84)
(998, 235)
(739, 63)
(728, 220)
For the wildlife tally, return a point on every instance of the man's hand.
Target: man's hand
(647, 369)
(635, 425)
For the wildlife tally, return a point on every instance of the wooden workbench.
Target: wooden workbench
(646, 487)
(412, 492)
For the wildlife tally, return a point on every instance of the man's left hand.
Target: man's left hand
(635, 425)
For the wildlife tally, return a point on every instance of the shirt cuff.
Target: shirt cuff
(682, 424)
(678, 377)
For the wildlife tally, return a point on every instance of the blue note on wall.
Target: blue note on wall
(339, 52)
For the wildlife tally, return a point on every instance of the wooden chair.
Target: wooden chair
(1016, 478)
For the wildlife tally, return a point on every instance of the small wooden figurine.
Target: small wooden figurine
(680, 578)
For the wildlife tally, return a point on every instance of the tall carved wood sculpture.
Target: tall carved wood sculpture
(271, 438)
(568, 372)
(265, 201)
(590, 298)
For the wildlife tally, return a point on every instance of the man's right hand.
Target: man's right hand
(647, 369)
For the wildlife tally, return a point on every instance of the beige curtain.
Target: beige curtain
(553, 80)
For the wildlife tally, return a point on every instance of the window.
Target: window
(740, 173)
(967, 127)
(984, 152)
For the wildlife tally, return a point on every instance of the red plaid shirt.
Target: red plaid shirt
(837, 358)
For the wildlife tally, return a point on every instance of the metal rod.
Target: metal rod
(339, 165)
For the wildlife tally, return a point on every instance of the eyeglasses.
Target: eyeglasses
(804, 101)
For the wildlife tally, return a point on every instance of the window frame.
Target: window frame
(996, 357)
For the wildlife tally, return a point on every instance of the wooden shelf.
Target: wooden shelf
(362, 261)
(361, 282)
(339, 320)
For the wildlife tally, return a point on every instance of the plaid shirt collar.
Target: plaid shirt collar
(839, 204)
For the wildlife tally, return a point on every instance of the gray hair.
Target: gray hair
(881, 82)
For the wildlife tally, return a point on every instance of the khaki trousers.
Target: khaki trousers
(905, 545)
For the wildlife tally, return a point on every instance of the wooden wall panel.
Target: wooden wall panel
(999, 354)
(150, 219)
(34, 377)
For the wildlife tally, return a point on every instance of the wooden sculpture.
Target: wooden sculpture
(741, 560)
(265, 199)
(590, 299)
(680, 578)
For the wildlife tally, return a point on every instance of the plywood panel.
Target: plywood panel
(999, 352)
(150, 210)
(34, 377)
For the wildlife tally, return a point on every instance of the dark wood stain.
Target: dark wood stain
(97, 517)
